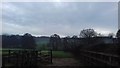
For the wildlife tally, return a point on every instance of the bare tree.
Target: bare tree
(55, 41)
(111, 35)
(66, 43)
(75, 40)
(88, 33)
(118, 39)
(118, 34)
(28, 41)
(74, 36)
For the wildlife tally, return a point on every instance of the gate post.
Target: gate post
(51, 56)
(9, 55)
(110, 59)
(36, 58)
(3, 61)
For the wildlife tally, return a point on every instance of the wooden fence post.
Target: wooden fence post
(9, 55)
(110, 59)
(36, 56)
(40, 53)
(3, 61)
(22, 58)
(17, 59)
(51, 56)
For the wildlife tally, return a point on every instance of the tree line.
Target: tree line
(86, 34)
(18, 41)
(27, 41)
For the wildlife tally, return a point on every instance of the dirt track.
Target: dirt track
(64, 62)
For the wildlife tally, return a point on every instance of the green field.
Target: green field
(55, 54)
(61, 54)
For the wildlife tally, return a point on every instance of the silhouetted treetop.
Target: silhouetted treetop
(28, 41)
(118, 34)
(55, 36)
(110, 34)
(55, 41)
(88, 33)
(74, 36)
(27, 34)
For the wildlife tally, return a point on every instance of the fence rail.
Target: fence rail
(99, 58)
(21, 58)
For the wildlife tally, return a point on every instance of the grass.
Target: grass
(55, 54)
(61, 54)
(4, 51)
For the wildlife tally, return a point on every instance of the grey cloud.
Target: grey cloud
(66, 18)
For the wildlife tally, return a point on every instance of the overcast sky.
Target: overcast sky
(63, 18)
